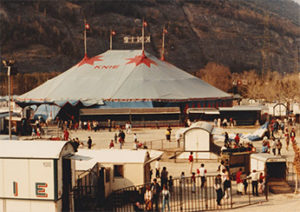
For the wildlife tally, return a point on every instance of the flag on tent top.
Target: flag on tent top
(113, 32)
(165, 31)
(144, 23)
(87, 26)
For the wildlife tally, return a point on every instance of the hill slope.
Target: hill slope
(47, 35)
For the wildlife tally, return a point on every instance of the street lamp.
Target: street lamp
(8, 64)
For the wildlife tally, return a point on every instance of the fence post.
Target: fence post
(206, 196)
(180, 194)
(162, 144)
(231, 195)
(249, 192)
(267, 189)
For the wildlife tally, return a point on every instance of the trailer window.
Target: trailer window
(118, 171)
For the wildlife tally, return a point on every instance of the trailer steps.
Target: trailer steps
(279, 187)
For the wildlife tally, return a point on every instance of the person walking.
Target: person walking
(254, 178)
(287, 138)
(89, 142)
(226, 140)
(245, 183)
(166, 198)
(239, 182)
(135, 137)
(157, 168)
(202, 173)
(237, 139)
(168, 135)
(193, 180)
(226, 183)
(116, 138)
(155, 189)
(273, 146)
(261, 183)
(182, 180)
(218, 188)
(191, 161)
(278, 146)
(148, 198)
(164, 176)
(293, 135)
(121, 138)
(111, 144)
(170, 183)
(66, 134)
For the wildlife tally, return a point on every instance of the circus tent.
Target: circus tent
(126, 78)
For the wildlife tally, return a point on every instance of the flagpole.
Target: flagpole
(110, 40)
(143, 35)
(163, 45)
(85, 51)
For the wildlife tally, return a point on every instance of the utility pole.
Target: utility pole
(8, 64)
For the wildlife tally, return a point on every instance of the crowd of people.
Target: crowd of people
(236, 145)
(274, 144)
(156, 192)
(224, 123)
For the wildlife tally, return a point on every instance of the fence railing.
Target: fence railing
(186, 195)
(163, 144)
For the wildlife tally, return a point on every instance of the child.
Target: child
(111, 144)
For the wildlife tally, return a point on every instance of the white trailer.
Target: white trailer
(273, 166)
(274, 169)
(36, 176)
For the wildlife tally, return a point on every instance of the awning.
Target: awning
(127, 111)
(208, 111)
(78, 157)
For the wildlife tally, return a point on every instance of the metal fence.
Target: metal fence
(186, 195)
(163, 144)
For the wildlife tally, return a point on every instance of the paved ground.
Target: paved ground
(155, 138)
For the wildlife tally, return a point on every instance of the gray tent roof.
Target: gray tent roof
(123, 75)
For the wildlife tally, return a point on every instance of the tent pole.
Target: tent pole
(143, 35)
(84, 37)
(163, 45)
(110, 40)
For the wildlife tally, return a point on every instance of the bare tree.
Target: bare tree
(216, 75)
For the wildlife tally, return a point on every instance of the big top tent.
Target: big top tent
(124, 76)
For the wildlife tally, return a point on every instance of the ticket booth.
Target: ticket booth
(36, 176)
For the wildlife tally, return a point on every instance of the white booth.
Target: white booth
(36, 176)
(199, 140)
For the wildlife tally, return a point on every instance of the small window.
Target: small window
(118, 171)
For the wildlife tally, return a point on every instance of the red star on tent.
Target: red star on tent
(139, 59)
(89, 61)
